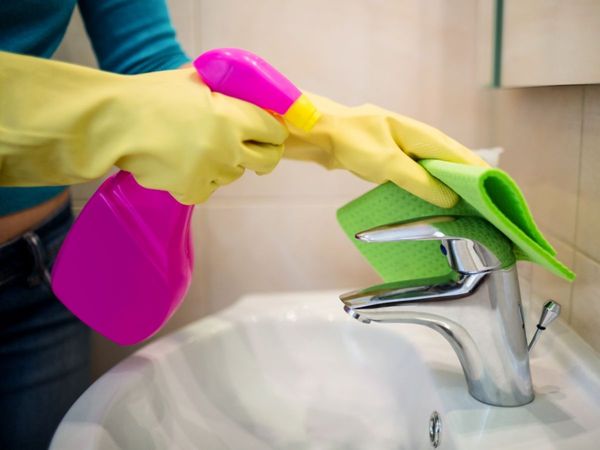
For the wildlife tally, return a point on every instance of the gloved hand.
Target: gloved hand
(64, 124)
(379, 146)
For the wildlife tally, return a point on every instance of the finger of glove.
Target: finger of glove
(422, 141)
(252, 122)
(411, 176)
(186, 198)
(201, 186)
(299, 149)
(261, 158)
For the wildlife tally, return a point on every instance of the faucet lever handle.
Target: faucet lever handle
(550, 313)
(465, 256)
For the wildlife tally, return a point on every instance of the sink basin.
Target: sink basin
(293, 371)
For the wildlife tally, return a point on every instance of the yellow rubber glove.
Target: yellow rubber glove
(64, 124)
(379, 146)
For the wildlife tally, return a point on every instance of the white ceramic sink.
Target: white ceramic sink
(293, 371)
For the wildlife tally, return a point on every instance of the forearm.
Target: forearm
(47, 120)
(62, 124)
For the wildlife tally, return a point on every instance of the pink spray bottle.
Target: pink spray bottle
(127, 262)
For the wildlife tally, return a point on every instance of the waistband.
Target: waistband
(28, 256)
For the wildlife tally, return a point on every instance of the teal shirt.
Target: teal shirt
(128, 36)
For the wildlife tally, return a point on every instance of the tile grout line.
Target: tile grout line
(577, 198)
(572, 247)
(579, 167)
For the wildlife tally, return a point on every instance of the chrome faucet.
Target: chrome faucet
(478, 312)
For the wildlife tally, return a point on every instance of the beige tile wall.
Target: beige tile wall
(552, 140)
(549, 42)
(585, 316)
(419, 58)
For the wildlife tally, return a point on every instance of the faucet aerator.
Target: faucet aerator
(356, 315)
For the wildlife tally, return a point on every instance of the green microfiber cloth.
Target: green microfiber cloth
(484, 193)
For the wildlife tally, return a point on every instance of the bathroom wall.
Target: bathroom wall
(552, 141)
(278, 232)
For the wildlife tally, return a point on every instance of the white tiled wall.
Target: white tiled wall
(278, 232)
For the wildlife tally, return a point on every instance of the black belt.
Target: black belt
(28, 257)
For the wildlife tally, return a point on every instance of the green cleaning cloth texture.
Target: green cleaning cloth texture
(485, 193)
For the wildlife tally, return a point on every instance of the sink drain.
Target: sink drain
(435, 429)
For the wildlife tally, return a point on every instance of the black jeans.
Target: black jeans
(44, 349)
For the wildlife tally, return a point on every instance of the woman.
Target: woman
(61, 124)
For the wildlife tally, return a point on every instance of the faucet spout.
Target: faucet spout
(480, 315)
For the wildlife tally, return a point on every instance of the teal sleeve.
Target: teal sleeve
(132, 36)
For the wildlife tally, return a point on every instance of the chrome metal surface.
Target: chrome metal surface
(406, 231)
(480, 314)
(550, 313)
(396, 293)
(435, 429)
(464, 255)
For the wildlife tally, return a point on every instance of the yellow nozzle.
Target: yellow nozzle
(302, 114)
